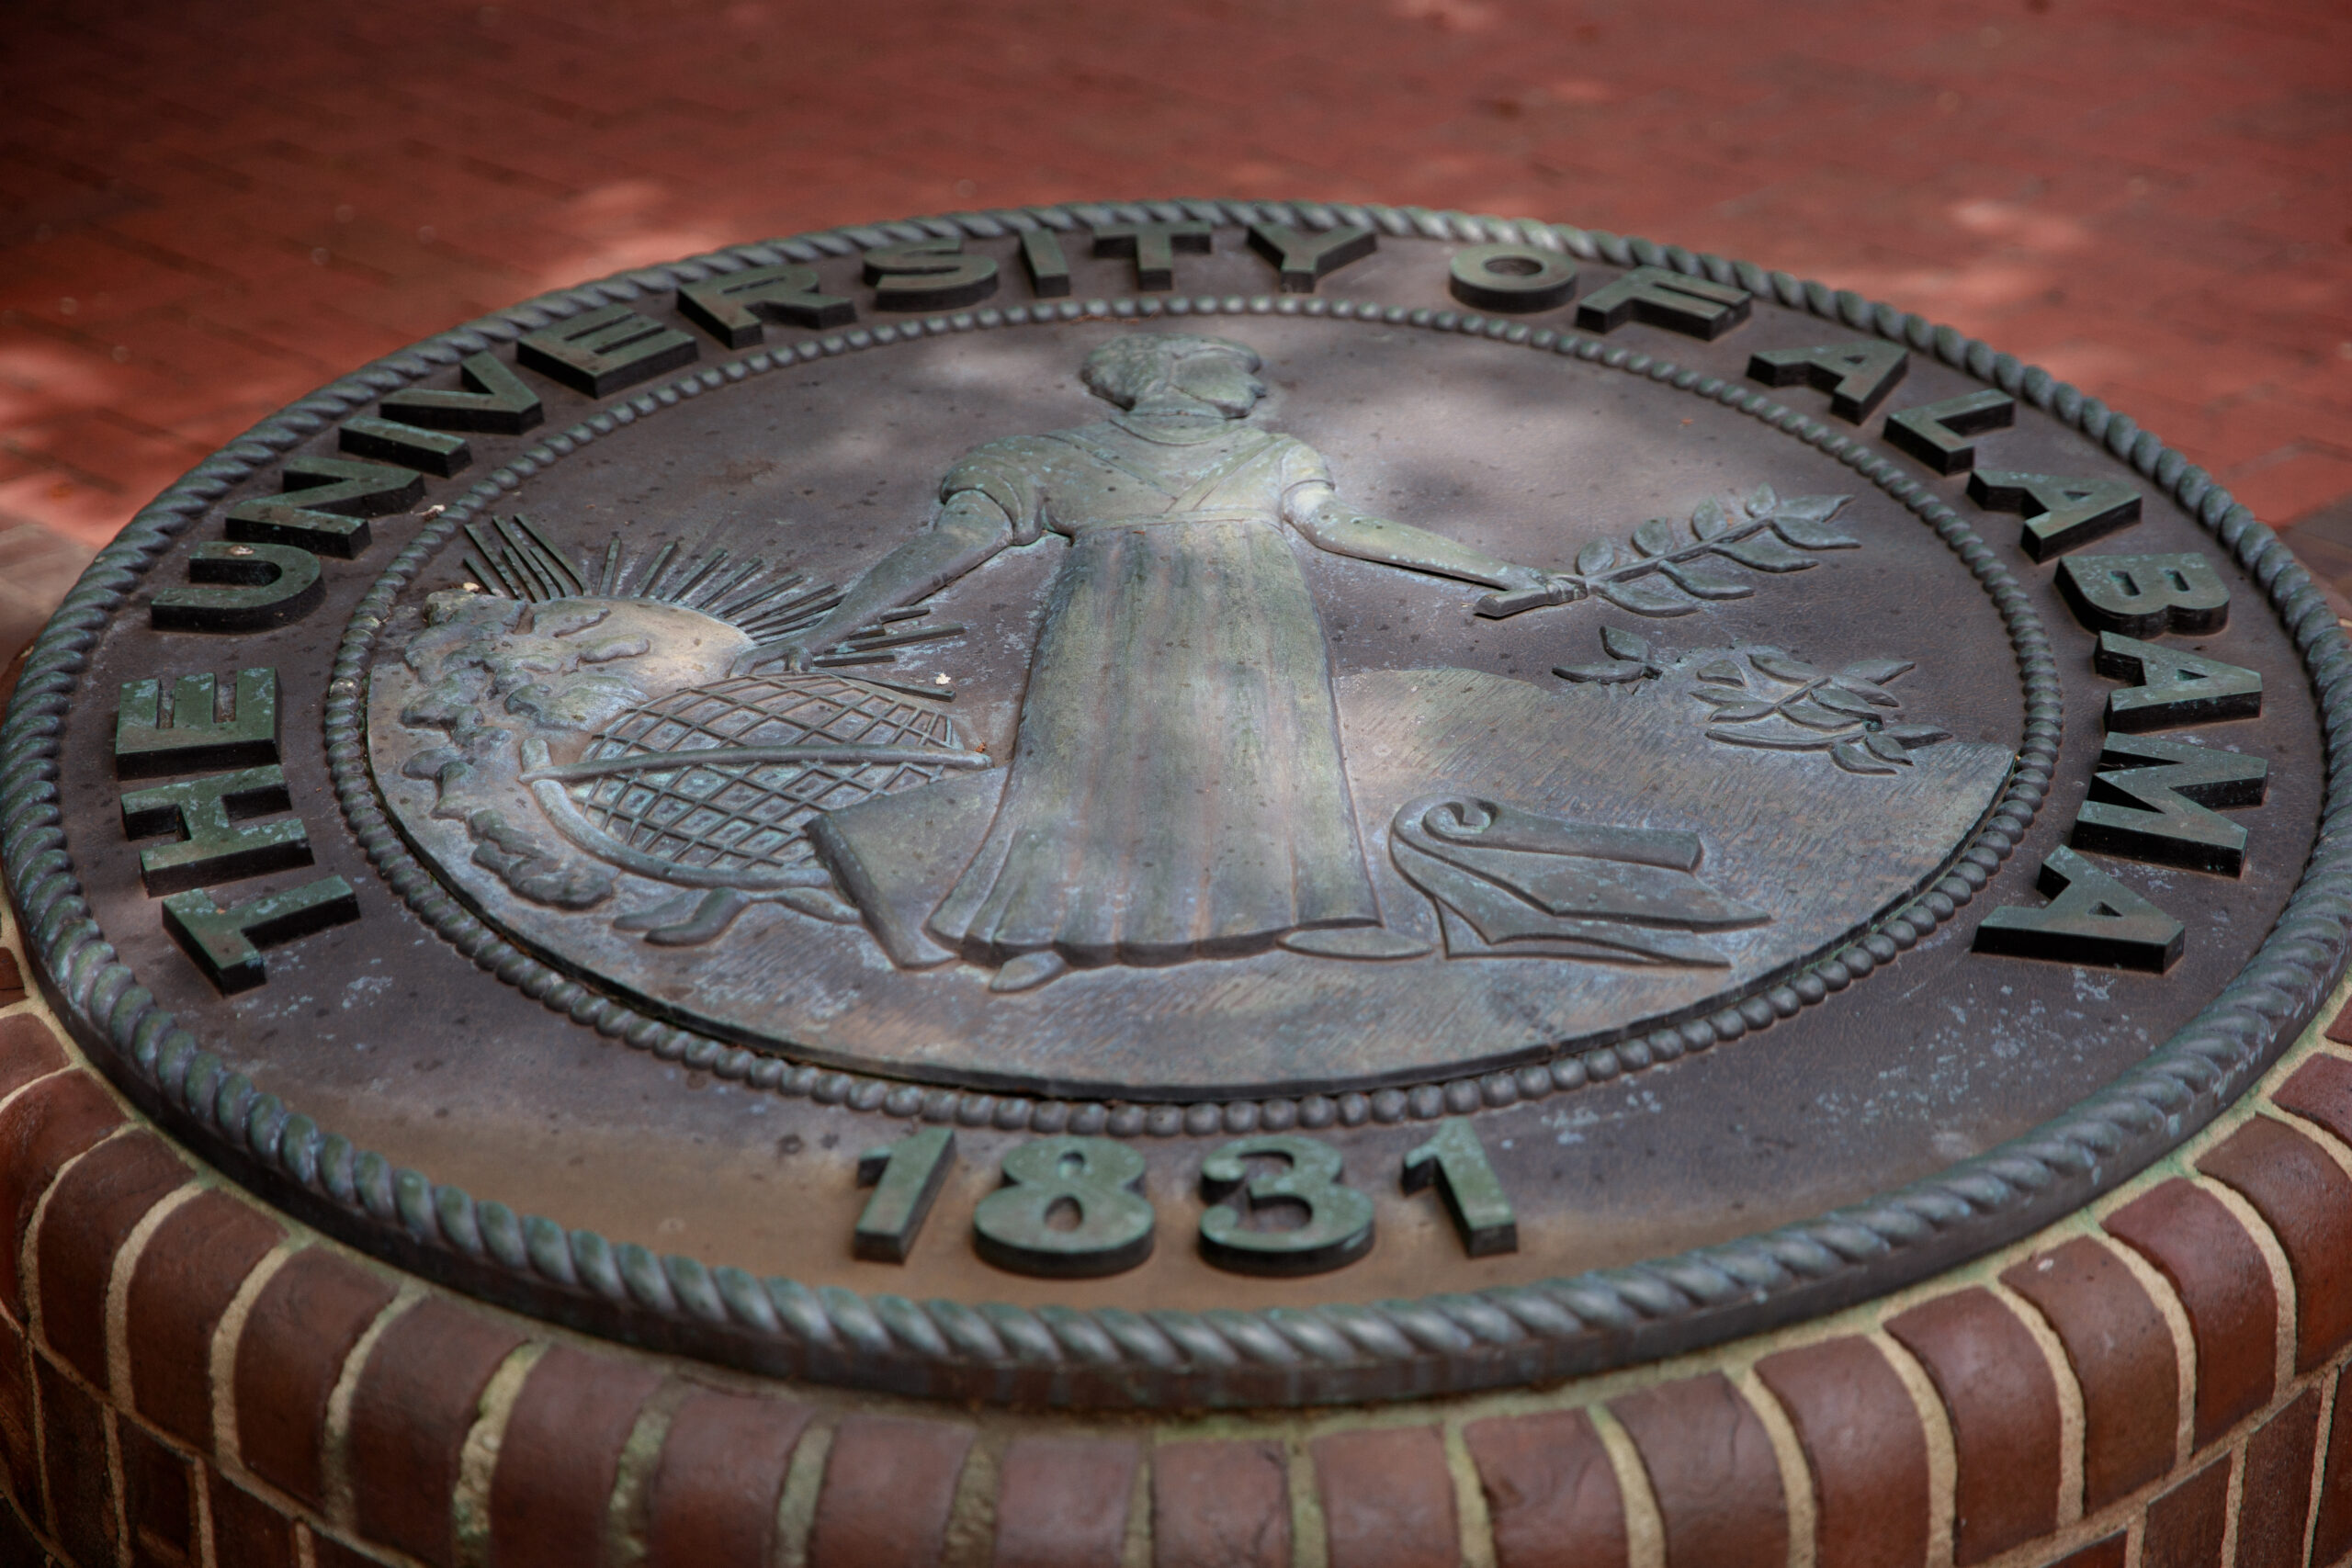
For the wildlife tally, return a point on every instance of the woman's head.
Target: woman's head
(1140, 368)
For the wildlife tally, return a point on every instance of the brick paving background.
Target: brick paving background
(208, 207)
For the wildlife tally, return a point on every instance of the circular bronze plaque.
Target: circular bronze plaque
(1050, 806)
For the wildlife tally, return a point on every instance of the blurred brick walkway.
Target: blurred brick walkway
(206, 209)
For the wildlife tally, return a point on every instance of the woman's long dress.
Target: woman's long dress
(1176, 789)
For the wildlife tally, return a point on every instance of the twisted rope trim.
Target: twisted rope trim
(1279, 1356)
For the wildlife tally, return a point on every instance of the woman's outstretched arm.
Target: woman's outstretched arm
(1330, 524)
(967, 529)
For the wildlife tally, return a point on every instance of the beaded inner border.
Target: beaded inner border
(1329, 1353)
(1965, 871)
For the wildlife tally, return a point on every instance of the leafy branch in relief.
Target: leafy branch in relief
(1663, 573)
(1789, 706)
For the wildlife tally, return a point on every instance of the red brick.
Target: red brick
(1865, 1448)
(296, 1339)
(1220, 1504)
(28, 1049)
(2306, 1200)
(247, 1531)
(2124, 1360)
(722, 1469)
(20, 1418)
(2332, 1529)
(2112, 1552)
(99, 448)
(2275, 1497)
(1387, 1498)
(2293, 484)
(2225, 1288)
(43, 1127)
(158, 1499)
(81, 1513)
(190, 1270)
(12, 980)
(2321, 1089)
(561, 1455)
(2004, 1406)
(418, 1395)
(1710, 1467)
(2185, 1525)
(107, 281)
(1062, 1502)
(1551, 1494)
(888, 1487)
(89, 1215)
(74, 508)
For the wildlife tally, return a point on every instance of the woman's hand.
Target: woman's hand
(1522, 578)
(1526, 588)
(793, 654)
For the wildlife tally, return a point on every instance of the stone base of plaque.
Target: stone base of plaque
(189, 1376)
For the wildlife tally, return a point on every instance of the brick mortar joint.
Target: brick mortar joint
(2073, 1426)
(337, 1481)
(28, 1247)
(1789, 1458)
(2274, 1262)
(124, 1267)
(478, 1457)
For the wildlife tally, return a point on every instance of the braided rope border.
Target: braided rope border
(495, 948)
(1341, 1352)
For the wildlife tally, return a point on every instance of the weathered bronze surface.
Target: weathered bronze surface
(1290, 801)
(1159, 763)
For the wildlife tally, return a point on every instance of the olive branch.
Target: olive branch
(1847, 712)
(1662, 573)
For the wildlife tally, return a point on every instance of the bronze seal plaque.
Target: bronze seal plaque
(1198, 803)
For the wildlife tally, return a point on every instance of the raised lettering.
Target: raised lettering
(244, 588)
(226, 943)
(2149, 801)
(1336, 1229)
(599, 351)
(1091, 1182)
(1518, 279)
(2060, 514)
(927, 275)
(2175, 687)
(1939, 434)
(150, 739)
(1307, 257)
(216, 844)
(2145, 595)
(906, 1178)
(411, 445)
(334, 498)
(1154, 247)
(1456, 1164)
(1858, 376)
(1041, 251)
(499, 404)
(732, 307)
(1697, 306)
(2091, 918)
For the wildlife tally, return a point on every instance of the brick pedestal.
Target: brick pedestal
(188, 1378)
